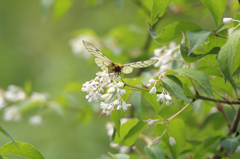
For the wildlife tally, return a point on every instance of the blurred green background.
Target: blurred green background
(36, 48)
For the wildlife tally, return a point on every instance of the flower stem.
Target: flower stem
(169, 119)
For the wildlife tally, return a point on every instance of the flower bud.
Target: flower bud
(153, 90)
(151, 81)
(151, 122)
(156, 140)
(168, 97)
(230, 31)
(172, 141)
(227, 20)
(111, 90)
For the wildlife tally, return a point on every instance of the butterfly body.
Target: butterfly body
(105, 64)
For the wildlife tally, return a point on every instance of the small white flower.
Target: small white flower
(11, 113)
(106, 97)
(227, 20)
(152, 122)
(124, 149)
(109, 128)
(111, 90)
(124, 105)
(104, 105)
(157, 52)
(230, 31)
(119, 107)
(151, 81)
(120, 84)
(2, 102)
(116, 102)
(120, 92)
(156, 140)
(167, 97)
(38, 96)
(153, 90)
(161, 97)
(172, 45)
(35, 120)
(161, 75)
(148, 85)
(114, 145)
(14, 93)
(172, 141)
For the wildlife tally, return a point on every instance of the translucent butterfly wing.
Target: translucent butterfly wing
(141, 64)
(103, 64)
(94, 51)
(127, 69)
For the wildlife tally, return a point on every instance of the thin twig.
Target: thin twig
(169, 119)
(220, 108)
(216, 34)
(219, 94)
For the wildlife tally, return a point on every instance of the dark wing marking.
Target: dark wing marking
(102, 64)
(127, 69)
(94, 51)
(141, 64)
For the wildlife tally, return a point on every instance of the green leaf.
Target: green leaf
(61, 7)
(204, 146)
(208, 70)
(133, 133)
(175, 30)
(29, 104)
(198, 76)
(115, 116)
(24, 150)
(216, 7)
(192, 57)
(158, 9)
(125, 128)
(236, 59)
(174, 86)
(152, 99)
(226, 56)
(196, 38)
(137, 103)
(155, 152)
(176, 129)
(4, 131)
(230, 145)
(188, 92)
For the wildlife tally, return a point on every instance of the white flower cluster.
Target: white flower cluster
(10, 99)
(111, 82)
(229, 20)
(161, 97)
(166, 55)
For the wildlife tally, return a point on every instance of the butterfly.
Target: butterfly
(105, 64)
